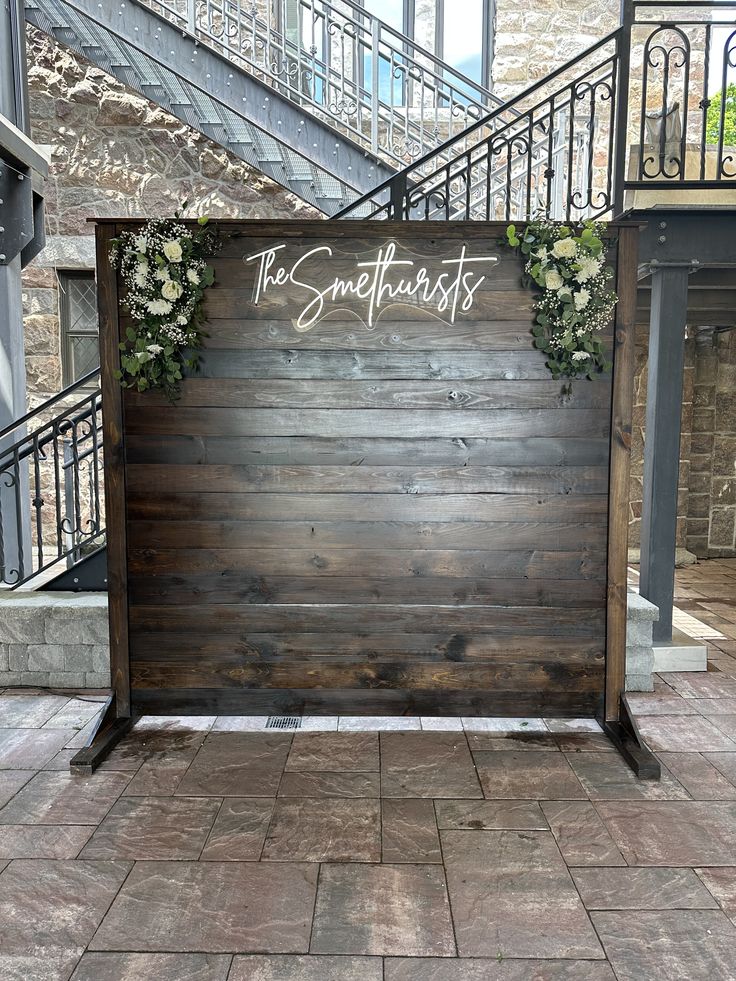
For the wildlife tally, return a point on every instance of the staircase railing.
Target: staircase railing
(601, 125)
(51, 471)
(366, 78)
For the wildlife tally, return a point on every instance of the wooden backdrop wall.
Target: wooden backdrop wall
(409, 518)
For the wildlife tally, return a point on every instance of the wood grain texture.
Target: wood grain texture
(113, 436)
(403, 516)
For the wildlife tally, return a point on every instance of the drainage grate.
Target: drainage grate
(284, 722)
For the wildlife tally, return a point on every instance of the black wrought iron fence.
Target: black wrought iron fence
(51, 463)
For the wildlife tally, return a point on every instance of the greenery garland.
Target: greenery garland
(575, 302)
(164, 268)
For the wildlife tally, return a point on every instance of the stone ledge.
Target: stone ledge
(54, 640)
(640, 618)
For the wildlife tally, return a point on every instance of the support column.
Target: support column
(667, 324)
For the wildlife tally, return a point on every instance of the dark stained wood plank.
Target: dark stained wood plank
(406, 394)
(404, 335)
(338, 673)
(220, 588)
(368, 422)
(309, 364)
(152, 479)
(373, 452)
(549, 535)
(548, 702)
(383, 562)
(501, 649)
(376, 507)
(519, 621)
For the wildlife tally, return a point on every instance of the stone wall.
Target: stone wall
(638, 436)
(56, 640)
(116, 154)
(712, 502)
(706, 499)
(532, 39)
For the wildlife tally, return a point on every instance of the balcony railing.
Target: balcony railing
(51, 464)
(633, 112)
(339, 61)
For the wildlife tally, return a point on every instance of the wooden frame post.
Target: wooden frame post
(117, 718)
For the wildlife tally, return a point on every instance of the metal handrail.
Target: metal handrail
(346, 65)
(54, 458)
(51, 402)
(476, 134)
(586, 172)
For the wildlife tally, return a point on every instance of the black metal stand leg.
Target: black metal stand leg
(627, 739)
(110, 731)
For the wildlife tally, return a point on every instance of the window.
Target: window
(80, 348)
(459, 34)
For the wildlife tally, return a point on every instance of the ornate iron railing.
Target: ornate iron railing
(338, 60)
(51, 464)
(603, 124)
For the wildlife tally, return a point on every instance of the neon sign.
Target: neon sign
(380, 283)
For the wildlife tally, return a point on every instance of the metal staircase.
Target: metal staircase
(324, 98)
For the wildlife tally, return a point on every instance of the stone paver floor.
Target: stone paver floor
(381, 850)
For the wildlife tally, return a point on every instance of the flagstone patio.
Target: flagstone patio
(378, 850)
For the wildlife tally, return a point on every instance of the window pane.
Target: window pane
(82, 299)
(85, 355)
(463, 38)
(78, 307)
(390, 11)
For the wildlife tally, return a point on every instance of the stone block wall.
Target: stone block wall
(712, 516)
(54, 640)
(638, 437)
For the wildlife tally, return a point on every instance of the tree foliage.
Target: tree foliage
(713, 117)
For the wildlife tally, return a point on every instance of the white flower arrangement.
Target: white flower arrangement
(570, 315)
(165, 273)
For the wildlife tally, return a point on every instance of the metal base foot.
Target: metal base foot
(110, 731)
(627, 739)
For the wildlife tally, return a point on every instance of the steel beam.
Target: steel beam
(667, 324)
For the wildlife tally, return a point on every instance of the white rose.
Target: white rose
(171, 290)
(181, 320)
(193, 276)
(154, 349)
(141, 243)
(553, 280)
(564, 248)
(172, 251)
(581, 299)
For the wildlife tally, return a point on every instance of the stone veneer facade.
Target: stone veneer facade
(114, 153)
